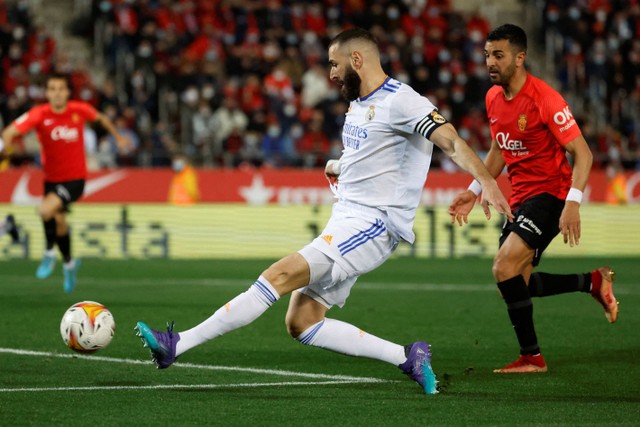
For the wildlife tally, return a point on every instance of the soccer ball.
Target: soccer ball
(87, 326)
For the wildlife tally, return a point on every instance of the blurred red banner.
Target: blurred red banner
(255, 186)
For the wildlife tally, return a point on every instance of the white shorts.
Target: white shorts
(354, 241)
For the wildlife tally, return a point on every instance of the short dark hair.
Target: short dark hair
(59, 76)
(512, 33)
(353, 34)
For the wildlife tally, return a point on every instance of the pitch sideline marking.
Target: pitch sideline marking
(628, 289)
(183, 386)
(328, 379)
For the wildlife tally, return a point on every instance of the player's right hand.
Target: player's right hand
(461, 206)
(332, 171)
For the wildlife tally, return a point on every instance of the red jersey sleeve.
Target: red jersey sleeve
(29, 120)
(556, 114)
(85, 109)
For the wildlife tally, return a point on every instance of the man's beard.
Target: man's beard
(504, 78)
(351, 85)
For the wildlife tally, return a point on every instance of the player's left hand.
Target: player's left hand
(570, 223)
(491, 195)
(461, 207)
(124, 144)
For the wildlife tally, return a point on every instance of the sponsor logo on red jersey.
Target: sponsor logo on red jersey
(65, 134)
(505, 143)
(564, 119)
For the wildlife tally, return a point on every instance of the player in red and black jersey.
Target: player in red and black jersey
(59, 125)
(532, 129)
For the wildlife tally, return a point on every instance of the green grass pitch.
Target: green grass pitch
(260, 376)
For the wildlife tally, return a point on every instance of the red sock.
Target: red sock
(596, 282)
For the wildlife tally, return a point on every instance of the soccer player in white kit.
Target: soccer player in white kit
(388, 138)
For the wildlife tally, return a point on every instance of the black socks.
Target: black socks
(50, 232)
(520, 309)
(546, 284)
(64, 244)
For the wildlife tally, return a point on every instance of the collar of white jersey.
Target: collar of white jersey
(383, 85)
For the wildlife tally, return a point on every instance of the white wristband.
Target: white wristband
(334, 165)
(574, 195)
(1, 144)
(475, 187)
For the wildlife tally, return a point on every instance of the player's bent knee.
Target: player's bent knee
(46, 213)
(293, 330)
(294, 327)
(298, 322)
(288, 274)
(502, 269)
(495, 270)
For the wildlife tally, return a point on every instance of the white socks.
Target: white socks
(240, 311)
(344, 338)
(329, 334)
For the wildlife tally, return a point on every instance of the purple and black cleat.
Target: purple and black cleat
(161, 344)
(418, 366)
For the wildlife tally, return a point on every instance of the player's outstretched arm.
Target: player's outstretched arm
(446, 137)
(122, 142)
(7, 136)
(570, 218)
(463, 203)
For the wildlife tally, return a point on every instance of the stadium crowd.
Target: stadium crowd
(596, 46)
(233, 83)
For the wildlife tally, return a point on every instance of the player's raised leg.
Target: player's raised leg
(289, 273)
(598, 283)
(243, 309)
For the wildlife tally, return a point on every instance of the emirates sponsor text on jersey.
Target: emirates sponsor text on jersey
(352, 135)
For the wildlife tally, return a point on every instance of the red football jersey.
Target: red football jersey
(531, 130)
(61, 137)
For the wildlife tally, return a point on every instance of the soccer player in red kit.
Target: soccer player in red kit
(59, 125)
(532, 129)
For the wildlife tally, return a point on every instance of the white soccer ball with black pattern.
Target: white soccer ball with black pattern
(87, 327)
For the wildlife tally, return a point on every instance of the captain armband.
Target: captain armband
(431, 122)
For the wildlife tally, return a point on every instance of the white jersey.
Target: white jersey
(386, 155)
